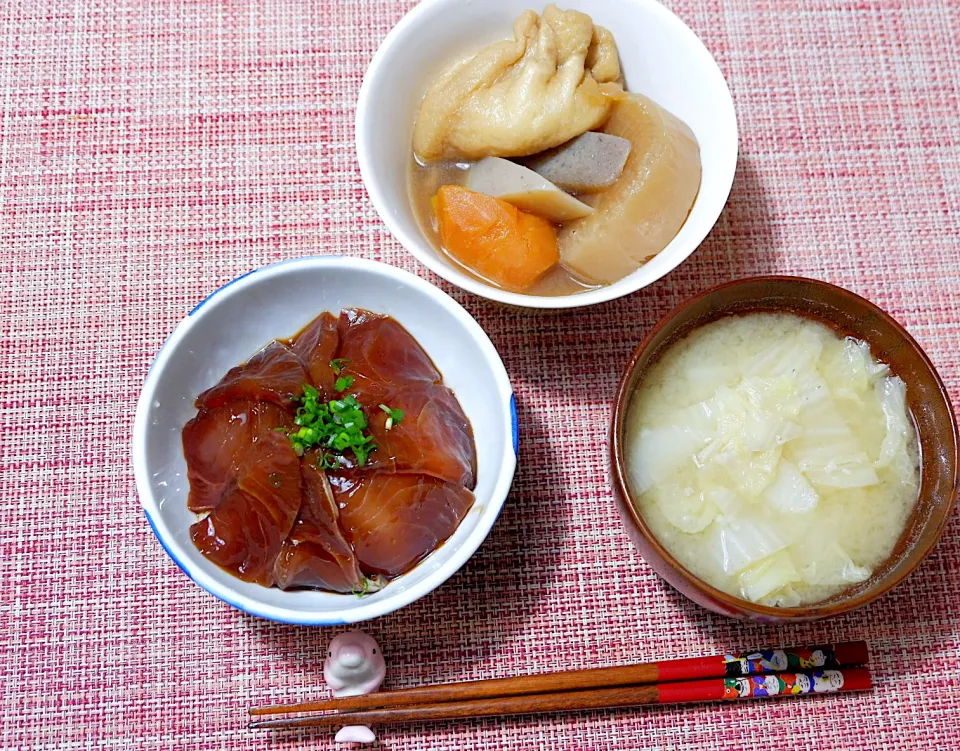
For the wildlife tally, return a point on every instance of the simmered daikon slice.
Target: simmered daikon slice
(643, 211)
(525, 189)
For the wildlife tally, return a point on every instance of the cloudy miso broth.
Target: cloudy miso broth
(773, 458)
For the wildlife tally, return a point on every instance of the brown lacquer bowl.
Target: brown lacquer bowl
(849, 315)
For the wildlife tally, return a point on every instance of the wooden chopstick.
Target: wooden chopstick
(713, 689)
(693, 668)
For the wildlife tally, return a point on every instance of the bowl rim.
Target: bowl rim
(361, 611)
(415, 245)
(731, 603)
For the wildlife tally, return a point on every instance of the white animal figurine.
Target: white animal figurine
(354, 666)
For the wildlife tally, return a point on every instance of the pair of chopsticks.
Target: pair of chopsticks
(760, 674)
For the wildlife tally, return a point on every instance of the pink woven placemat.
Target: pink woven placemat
(151, 151)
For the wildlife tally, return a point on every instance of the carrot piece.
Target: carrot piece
(494, 238)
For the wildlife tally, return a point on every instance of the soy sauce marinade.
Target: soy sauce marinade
(335, 460)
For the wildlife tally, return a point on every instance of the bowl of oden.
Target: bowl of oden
(783, 450)
(553, 157)
(309, 449)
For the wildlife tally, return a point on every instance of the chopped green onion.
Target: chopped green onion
(328, 461)
(339, 365)
(394, 416)
(336, 426)
(344, 382)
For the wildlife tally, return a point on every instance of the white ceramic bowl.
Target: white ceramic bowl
(661, 58)
(276, 302)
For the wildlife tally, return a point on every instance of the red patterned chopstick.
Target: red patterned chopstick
(730, 667)
(713, 689)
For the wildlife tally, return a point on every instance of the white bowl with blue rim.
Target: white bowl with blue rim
(276, 302)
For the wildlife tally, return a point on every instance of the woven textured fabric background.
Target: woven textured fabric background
(152, 150)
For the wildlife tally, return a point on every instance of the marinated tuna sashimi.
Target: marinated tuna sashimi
(316, 553)
(334, 460)
(433, 438)
(316, 346)
(381, 355)
(246, 471)
(394, 521)
(275, 374)
(222, 445)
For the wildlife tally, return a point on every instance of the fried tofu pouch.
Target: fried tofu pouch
(558, 78)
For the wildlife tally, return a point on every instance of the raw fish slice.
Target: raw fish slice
(393, 521)
(643, 211)
(258, 474)
(305, 560)
(433, 438)
(213, 443)
(241, 536)
(316, 346)
(381, 355)
(316, 554)
(275, 374)
(218, 443)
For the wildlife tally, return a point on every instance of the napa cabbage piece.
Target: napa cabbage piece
(852, 370)
(786, 597)
(790, 492)
(828, 465)
(726, 500)
(770, 575)
(822, 561)
(829, 453)
(740, 542)
(896, 452)
(755, 416)
(661, 452)
(685, 507)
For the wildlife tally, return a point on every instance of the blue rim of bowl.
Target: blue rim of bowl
(514, 431)
(249, 611)
(217, 291)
